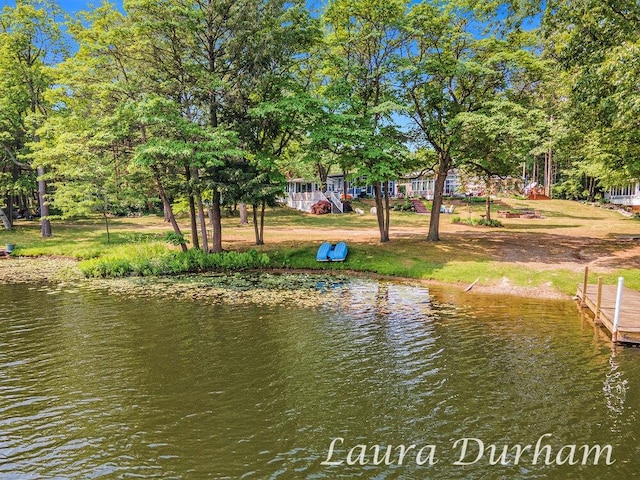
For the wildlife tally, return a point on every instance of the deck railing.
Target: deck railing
(335, 200)
(304, 200)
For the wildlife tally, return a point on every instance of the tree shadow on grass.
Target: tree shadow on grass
(531, 226)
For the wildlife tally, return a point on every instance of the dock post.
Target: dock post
(616, 316)
(584, 286)
(596, 319)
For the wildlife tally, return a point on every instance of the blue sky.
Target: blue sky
(76, 5)
(68, 5)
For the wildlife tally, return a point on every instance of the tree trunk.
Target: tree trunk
(11, 198)
(5, 220)
(487, 202)
(550, 175)
(377, 187)
(262, 224)
(201, 215)
(323, 173)
(345, 185)
(192, 210)
(106, 224)
(386, 209)
(243, 214)
(168, 211)
(10, 201)
(203, 223)
(216, 222)
(256, 230)
(438, 190)
(45, 224)
(165, 213)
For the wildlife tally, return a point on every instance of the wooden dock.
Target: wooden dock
(601, 300)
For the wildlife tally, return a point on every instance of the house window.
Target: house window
(449, 186)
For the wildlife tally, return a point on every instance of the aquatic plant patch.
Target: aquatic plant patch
(241, 288)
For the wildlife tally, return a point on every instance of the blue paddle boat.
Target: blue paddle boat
(332, 253)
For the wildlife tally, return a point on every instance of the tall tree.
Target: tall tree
(30, 42)
(497, 139)
(452, 71)
(216, 60)
(597, 43)
(268, 103)
(365, 39)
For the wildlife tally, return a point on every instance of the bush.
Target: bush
(475, 222)
(321, 208)
(406, 206)
(175, 239)
(490, 223)
(191, 261)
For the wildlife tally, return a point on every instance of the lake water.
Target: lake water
(94, 385)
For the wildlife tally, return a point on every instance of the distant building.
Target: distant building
(423, 186)
(302, 193)
(628, 196)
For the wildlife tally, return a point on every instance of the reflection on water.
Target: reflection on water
(94, 385)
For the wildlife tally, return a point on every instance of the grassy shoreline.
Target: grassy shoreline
(541, 258)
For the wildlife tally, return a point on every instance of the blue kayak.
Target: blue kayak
(323, 252)
(332, 253)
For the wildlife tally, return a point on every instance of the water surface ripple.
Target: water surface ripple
(100, 386)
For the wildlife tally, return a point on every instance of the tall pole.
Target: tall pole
(616, 316)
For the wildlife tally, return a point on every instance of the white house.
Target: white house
(423, 186)
(628, 196)
(303, 193)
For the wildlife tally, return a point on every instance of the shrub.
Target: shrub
(475, 222)
(490, 223)
(191, 261)
(175, 239)
(406, 206)
(320, 208)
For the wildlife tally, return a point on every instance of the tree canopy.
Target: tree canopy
(212, 103)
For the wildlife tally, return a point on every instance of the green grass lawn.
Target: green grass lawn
(292, 239)
(80, 239)
(413, 259)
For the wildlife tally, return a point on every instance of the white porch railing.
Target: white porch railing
(335, 201)
(629, 200)
(304, 201)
